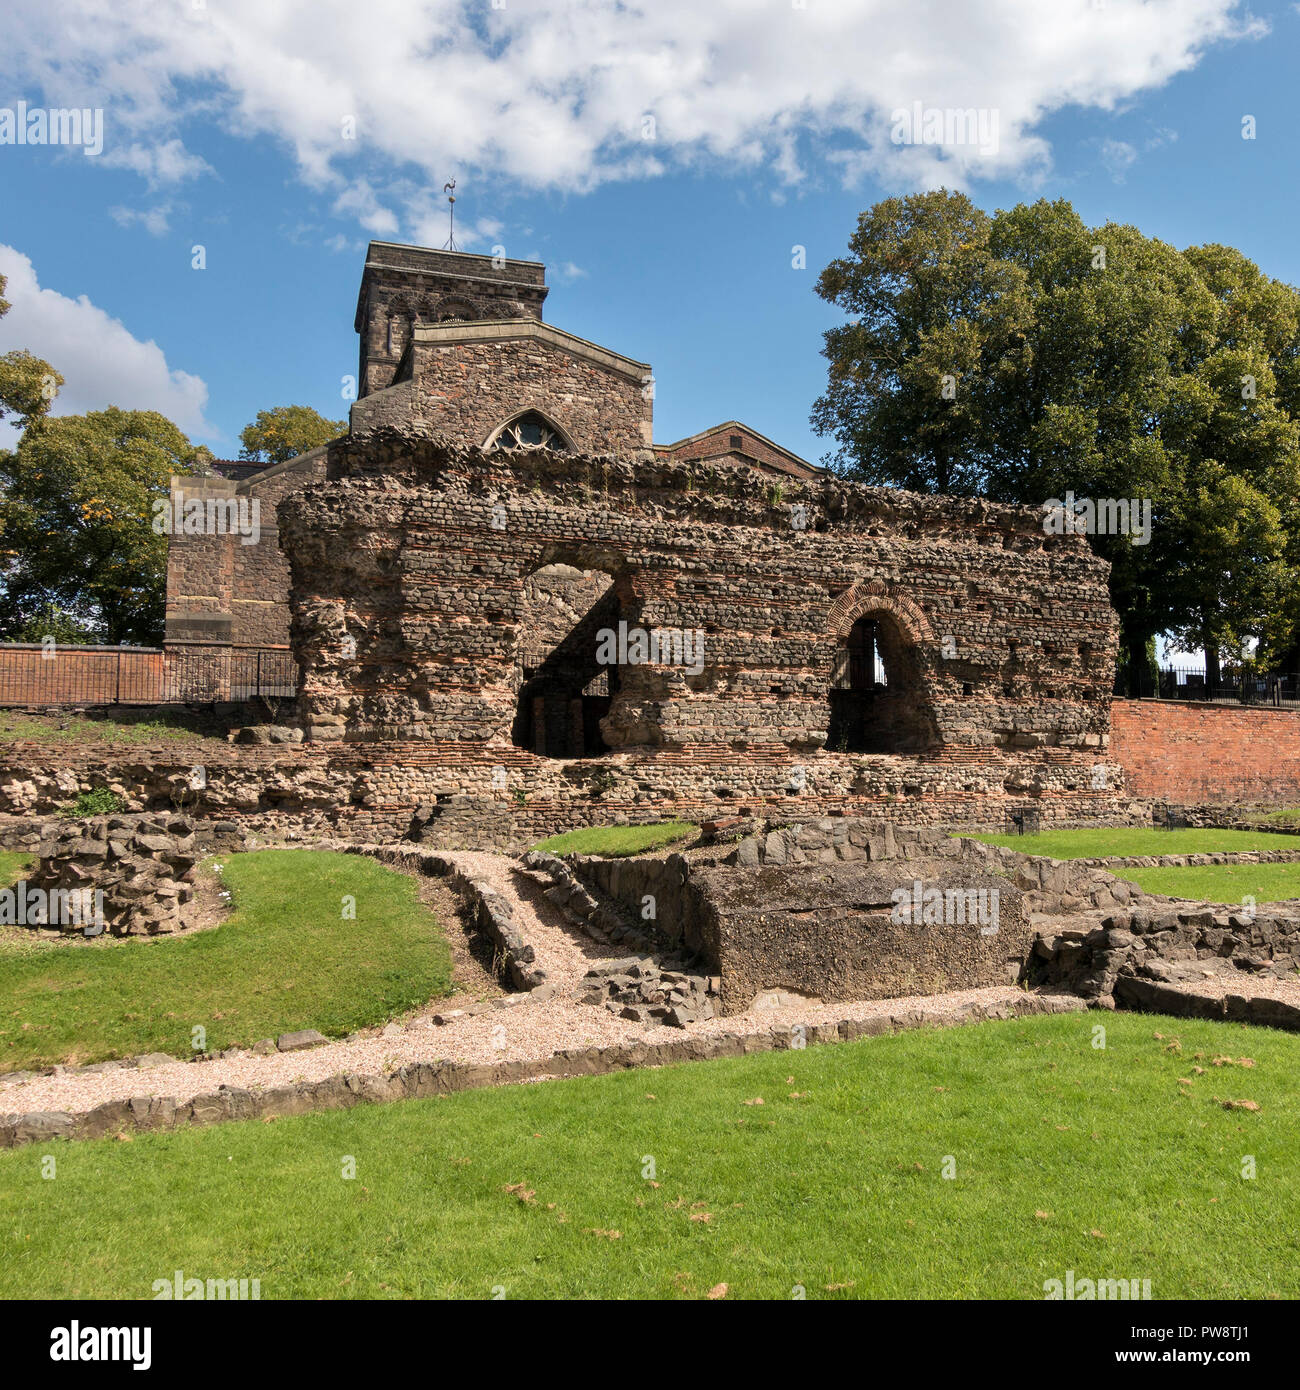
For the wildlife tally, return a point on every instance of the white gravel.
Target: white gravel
(526, 1030)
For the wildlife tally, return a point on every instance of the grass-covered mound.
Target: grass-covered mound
(286, 958)
(975, 1162)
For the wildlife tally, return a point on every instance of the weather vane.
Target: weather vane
(451, 215)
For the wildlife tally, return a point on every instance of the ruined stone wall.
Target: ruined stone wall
(420, 552)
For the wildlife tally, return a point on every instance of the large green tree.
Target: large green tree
(285, 432)
(76, 522)
(1096, 361)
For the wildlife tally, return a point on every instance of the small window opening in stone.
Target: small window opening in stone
(967, 688)
(736, 442)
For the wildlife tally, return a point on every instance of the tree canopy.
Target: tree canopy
(76, 522)
(285, 432)
(1025, 355)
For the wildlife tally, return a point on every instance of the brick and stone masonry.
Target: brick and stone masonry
(411, 589)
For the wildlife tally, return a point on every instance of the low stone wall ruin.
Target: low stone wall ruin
(143, 865)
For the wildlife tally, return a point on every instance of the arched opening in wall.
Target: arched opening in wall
(877, 696)
(566, 683)
(455, 311)
(529, 430)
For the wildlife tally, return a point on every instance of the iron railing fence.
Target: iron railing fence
(1233, 686)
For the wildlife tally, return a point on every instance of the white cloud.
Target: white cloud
(167, 163)
(554, 94)
(156, 220)
(1119, 157)
(101, 361)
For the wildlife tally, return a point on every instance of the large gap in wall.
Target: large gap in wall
(877, 699)
(564, 690)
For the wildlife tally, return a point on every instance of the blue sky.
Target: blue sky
(675, 250)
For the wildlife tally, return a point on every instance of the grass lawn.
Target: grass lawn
(1063, 1157)
(284, 959)
(1222, 883)
(1127, 842)
(618, 841)
(16, 728)
(13, 865)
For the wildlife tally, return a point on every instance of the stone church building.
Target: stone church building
(508, 606)
(458, 343)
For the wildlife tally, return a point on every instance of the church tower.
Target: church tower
(409, 287)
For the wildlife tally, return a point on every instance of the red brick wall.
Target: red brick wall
(1207, 753)
(76, 675)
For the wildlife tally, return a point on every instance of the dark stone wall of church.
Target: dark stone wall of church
(467, 390)
(421, 551)
(221, 590)
(403, 287)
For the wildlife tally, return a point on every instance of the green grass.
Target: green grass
(1221, 883)
(1064, 1157)
(13, 865)
(284, 959)
(618, 841)
(16, 728)
(1105, 842)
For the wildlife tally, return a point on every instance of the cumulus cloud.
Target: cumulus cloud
(101, 361)
(565, 94)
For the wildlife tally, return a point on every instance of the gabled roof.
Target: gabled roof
(509, 330)
(754, 447)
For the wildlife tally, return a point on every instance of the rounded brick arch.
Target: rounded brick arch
(873, 597)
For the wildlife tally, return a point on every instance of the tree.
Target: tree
(936, 322)
(65, 628)
(1096, 361)
(28, 384)
(76, 521)
(286, 432)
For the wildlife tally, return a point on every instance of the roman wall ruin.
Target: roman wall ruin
(716, 639)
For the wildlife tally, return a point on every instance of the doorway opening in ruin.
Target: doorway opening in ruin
(877, 698)
(564, 689)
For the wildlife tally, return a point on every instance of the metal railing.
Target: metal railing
(1232, 686)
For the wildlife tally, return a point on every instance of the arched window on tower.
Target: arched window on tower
(531, 430)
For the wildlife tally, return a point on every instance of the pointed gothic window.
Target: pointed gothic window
(531, 430)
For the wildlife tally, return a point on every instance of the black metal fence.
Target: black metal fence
(1232, 686)
(197, 676)
(48, 674)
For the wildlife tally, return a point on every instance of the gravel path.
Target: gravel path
(524, 1029)
(1250, 986)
